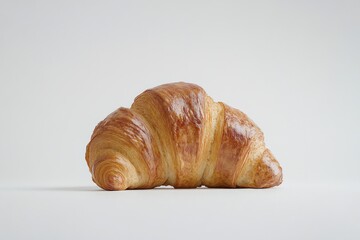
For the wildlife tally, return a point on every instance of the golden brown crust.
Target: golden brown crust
(123, 135)
(180, 119)
(238, 132)
(176, 135)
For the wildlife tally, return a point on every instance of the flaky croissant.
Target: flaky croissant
(175, 134)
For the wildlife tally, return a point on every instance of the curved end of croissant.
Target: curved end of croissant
(107, 175)
(264, 172)
(269, 171)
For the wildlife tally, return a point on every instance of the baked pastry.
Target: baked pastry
(175, 134)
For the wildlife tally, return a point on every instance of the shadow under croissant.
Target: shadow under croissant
(170, 188)
(59, 188)
(97, 189)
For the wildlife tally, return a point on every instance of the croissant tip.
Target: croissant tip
(111, 183)
(268, 171)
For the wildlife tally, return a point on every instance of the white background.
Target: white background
(292, 66)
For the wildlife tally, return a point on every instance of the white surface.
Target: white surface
(289, 212)
(292, 66)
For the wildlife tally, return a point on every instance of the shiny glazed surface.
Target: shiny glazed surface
(175, 134)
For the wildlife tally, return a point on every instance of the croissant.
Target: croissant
(175, 134)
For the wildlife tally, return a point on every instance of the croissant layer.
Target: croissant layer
(175, 134)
